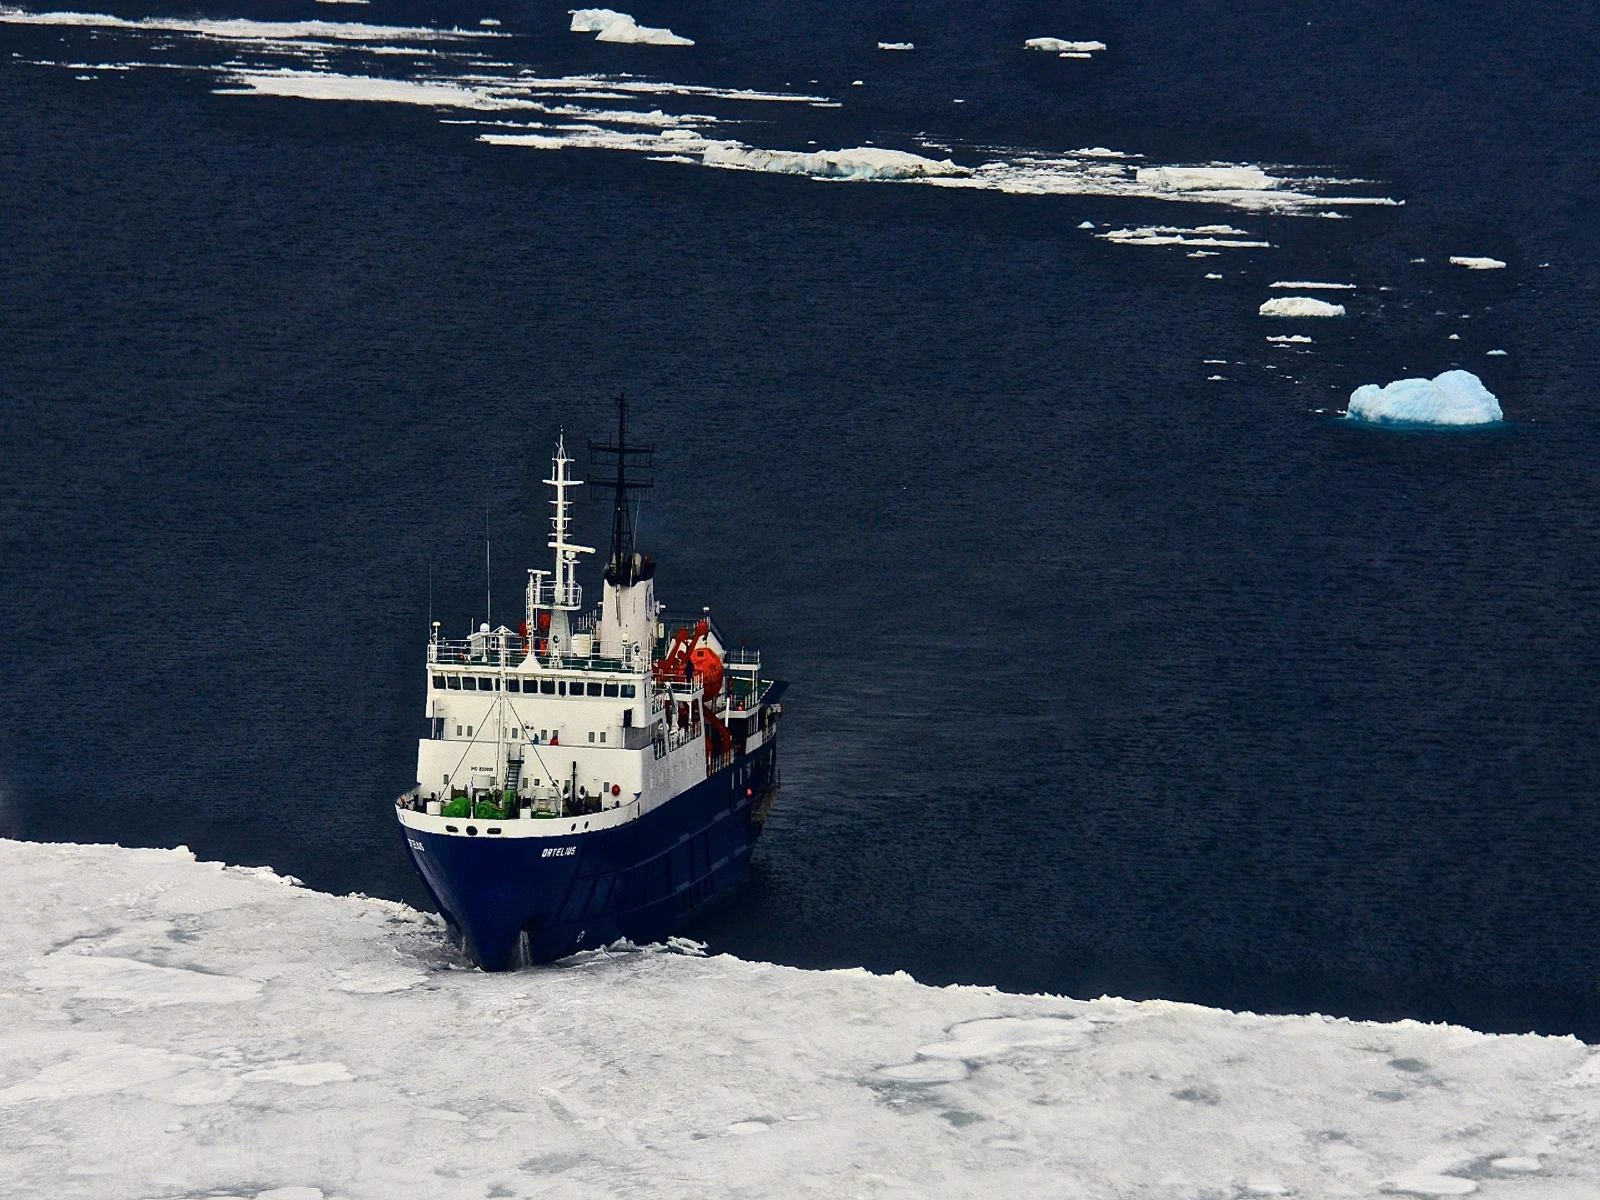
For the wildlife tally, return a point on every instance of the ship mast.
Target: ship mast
(558, 592)
(624, 568)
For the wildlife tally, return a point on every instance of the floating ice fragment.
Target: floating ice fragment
(856, 83)
(1297, 285)
(896, 46)
(1062, 46)
(1213, 378)
(1475, 264)
(1454, 337)
(1207, 179)
(1173, 235)
(1212, 275)
(608, 25)
(1452, 398)
(1085, 224)
(1290, 339)
(1431, 1185)
(1300, 306)
(860, 163)
(1496, 353)
(486, 22)
(1517, 1163)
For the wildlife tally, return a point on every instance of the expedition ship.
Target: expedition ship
(596, 774)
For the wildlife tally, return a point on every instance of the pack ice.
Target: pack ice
(1453, 398)
(171, 1028)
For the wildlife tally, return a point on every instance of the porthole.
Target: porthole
(472, 831)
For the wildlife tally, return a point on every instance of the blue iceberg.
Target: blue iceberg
(1453, 398)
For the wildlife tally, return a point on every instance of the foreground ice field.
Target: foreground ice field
(170, 1028)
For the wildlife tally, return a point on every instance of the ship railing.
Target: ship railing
(465, 652)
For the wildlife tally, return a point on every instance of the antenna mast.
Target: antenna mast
(625, 567)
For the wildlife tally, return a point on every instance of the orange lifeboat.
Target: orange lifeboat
(707, 664)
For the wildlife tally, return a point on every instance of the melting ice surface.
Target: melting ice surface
(1300, 306)
(1453, 398)
(173, 1028)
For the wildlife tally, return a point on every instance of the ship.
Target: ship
(595, 775)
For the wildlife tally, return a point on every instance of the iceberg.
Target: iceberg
(608, 25)
(1476, 264)
(863, 162)
(1453, 398)
(174, 1028)
(1300, 306)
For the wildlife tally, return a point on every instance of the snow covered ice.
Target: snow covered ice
(1299, 306)
(1476, 264)
(173, 1028)
(1453, 398)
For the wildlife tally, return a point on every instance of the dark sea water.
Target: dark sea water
(1106, 676)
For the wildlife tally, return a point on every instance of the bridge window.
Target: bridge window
(513, 685)
(438, 682)
(547, 687)
(594, 689)
(627, 691)
(611, 689)
(469, 683)
(561, 687)
(454, 683)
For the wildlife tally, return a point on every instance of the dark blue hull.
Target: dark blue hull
(536, 899)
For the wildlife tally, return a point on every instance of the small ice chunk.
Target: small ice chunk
(1454, 337)
(896, 46)
(1062, 46)
(1452, 398)
(1212, 275)
(608, 25)
(1290, 339)
(1085, 224)
(856, 83)
(1521, 1164)
(1496, 353)
(1295, 285)
(489, 22)
(1421, 1184)
(1300, 306)
(1476, 264)
(1213, 378)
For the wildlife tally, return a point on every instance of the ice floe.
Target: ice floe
(629, 1069)
(1174, 235)
(608, 25)
(1300, 306)
(1495, 353)
(1290, 339)
(1298, 285)
(862, 162)
(896, 46)
(1452, 398)
(1063, 47)
(1476, 264)
(241, 29)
